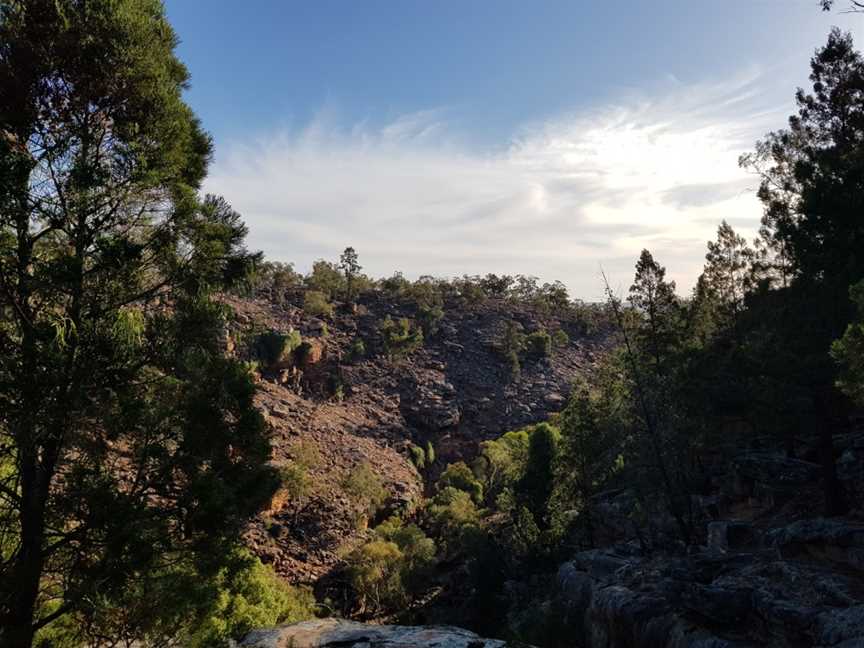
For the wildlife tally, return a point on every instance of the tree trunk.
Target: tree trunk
(27, 570)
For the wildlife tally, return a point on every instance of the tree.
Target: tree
(591, 430)
(326, 278)
(349, 265)
(128, 440)
(854, 5)
(727, 267)
(655, 298)
(812, 174)
(848, 351)
(535, 486)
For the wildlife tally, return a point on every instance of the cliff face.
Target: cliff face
(348, 409)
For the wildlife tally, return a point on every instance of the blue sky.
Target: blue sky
(541, 137)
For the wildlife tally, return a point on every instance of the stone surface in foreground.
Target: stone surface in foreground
(323, 633)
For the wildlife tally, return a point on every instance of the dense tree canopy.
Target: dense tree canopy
(128, 443)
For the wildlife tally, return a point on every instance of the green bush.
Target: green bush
(418, 456)
(366, 489)
(560, 338)
(430, 317)
(253, 597)
(357, 350)
(455, 518)
(430, 453)
(295, 480)
(271, 347)
(189, 608)
(399, 337)
(316, 304)
(327, 279)
(375, 571)
(459, 476)
(539, 344)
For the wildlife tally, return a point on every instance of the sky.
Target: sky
(448, 137)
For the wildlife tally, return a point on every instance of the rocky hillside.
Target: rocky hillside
(334, 409)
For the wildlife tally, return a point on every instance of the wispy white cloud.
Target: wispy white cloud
(562, 197)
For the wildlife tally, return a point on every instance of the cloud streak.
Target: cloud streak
(557, 200)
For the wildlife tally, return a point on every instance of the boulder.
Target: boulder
(338, 633)
(833, 540)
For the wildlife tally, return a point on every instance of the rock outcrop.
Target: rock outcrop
(616, 598)
(336, 633)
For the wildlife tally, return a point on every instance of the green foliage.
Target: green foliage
(399, 337)
(430, 453)
(418, 456)
(455, 518)
(510, 344)
(365, 488)
(375, 570)
(459, 476)
(848, 351)
(560, 338)
(538, 344)
(274, 279)
(316, 304)
(429, 318)
(350, 266)
(394, 565)
(654, 299)
(273, 347)
(537, 482)
(326, 278)
(101, 163)
(357, 351)
(418, 551)
(501, 462)
(294, 478)
(199, 609)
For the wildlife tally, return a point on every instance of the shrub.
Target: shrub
(376, 575)
(365, 488)
(399, 337)
(456, 520)
(271, 347)
(560, 338)
(418, 456)
(188, 607)
(430, 453)
(295, 480)
(429, 318)
(539, 344)
(251, 597)
(459, 476)
(326, 278)
(316, 304)
(357, 350)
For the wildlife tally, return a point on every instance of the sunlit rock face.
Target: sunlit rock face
(324, 633)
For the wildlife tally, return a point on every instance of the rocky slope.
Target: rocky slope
(347, 411)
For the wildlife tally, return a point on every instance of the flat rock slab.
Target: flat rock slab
(333, 633)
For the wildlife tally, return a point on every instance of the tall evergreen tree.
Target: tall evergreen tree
(655, 298)
(351, 267)
(127, 441)
(813, 178)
